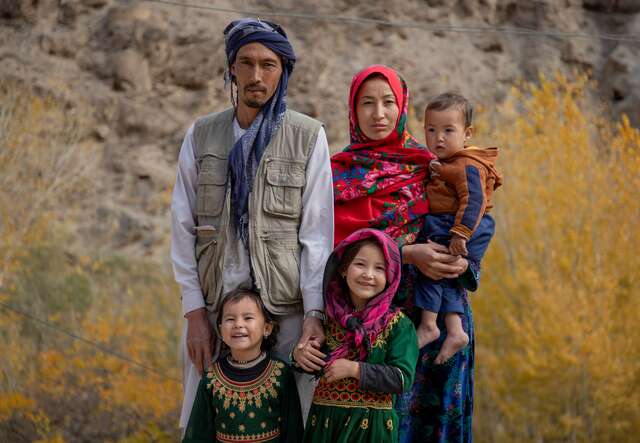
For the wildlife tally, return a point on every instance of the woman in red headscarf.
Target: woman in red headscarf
(380, 182)
(379, 179)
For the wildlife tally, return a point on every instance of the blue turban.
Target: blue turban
(246, 153)
(247, 30)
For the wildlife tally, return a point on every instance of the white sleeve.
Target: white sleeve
(316, 225)
(183, 221)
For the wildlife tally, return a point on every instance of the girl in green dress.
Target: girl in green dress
(371, 348)
(246, 395)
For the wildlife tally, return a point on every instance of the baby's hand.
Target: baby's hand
(458, 245)
(434, 168)
(342, 368)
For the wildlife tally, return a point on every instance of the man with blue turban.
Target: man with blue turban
(252, 207)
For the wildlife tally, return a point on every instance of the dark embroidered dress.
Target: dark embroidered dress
(256, 404)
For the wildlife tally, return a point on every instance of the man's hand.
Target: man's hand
(458, 245)
(199, 339)
(342, 368)
(307, 352)
(308, 357)
(312, 331)
(434, 260)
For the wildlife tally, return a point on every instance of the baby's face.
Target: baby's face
(445, 132)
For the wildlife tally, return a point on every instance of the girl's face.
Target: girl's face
(366, 275)
(376, 109)
(243, 327)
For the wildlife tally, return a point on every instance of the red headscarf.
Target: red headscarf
(362, 327)
(381, 184)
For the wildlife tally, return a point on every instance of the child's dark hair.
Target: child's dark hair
(238, 294)
(450, 100)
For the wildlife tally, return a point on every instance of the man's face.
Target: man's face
(257, 71)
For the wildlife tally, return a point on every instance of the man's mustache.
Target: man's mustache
(255, 87)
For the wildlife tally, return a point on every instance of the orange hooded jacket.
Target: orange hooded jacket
(463, 184)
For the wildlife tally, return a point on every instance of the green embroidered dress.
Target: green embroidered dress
(341, 412)
(256, 404)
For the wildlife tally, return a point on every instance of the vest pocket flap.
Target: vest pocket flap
(283, 189)
(283, 174)
(213, 171)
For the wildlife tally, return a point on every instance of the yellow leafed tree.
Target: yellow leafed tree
(115, 379)
(557, 330)
(556, 315)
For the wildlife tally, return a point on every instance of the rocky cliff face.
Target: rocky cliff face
(146, 69)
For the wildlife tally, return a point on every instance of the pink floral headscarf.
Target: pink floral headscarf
(362, 327)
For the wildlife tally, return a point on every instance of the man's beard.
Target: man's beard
(253, 103)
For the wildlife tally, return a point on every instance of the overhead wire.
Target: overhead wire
(409, 25)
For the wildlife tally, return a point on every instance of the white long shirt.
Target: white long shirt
(315, 233)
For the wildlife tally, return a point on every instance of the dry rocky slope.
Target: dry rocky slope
(145, 70)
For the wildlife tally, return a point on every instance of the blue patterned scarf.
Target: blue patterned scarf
(247, 151)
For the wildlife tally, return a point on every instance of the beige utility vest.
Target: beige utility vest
(275, 208)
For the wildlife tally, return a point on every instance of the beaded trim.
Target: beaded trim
(241, 394)
(345, 394)
(263, 436)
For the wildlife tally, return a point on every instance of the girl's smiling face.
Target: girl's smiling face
(243, 327)
(366, 275)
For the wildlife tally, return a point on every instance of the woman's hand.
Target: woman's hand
(434, 260)
(342, 368)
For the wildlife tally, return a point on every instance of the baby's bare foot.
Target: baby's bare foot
(427, 335)
(452, 344)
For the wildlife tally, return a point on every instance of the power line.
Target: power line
(87, 341)
(411, 25)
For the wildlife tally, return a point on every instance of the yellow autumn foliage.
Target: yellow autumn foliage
(558, 350)
(43, 166)
(557, 337)
(91, 352)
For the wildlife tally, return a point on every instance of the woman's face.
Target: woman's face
(376, 109)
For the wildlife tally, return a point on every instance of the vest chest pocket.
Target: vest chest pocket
(212, 181)
(283, 190)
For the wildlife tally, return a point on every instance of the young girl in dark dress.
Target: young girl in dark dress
(246, 395)
(371, 346)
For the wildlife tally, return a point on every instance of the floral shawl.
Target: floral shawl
(381, 184)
